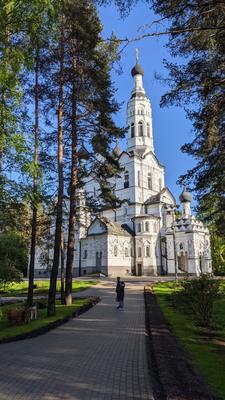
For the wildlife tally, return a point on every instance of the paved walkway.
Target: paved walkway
(98, 356)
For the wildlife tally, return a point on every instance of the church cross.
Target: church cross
(136, 51)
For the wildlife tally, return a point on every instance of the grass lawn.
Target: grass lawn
(62, 311)
(20, 289)
(206, 346)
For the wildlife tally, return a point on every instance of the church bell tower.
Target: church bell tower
(139, 115)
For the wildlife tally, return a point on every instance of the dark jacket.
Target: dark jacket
(120, 290)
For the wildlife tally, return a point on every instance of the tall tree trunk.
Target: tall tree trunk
(2, 127)
(35, 187)
(3, 98)
(62, 269)
(59, 216)
(73, 184)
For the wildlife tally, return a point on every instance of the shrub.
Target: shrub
(8, 273)
(199, 296)
(14, 249)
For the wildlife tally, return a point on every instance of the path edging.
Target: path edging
(174, 377)
(52, 325)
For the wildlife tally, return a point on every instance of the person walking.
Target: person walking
(120, 292)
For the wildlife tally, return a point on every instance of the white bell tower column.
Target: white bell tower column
(139, 115)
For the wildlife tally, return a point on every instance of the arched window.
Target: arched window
(146, 209)
(126, 180)
(132, 130)
(148, 130)
(164, 218)
(155, 227)
(115, 251)
(149, 181)
(147, 251)
(140, 128)
(139, 252)
(142, 111)
(85, 254)
(139, 178)
(126, 252)
(139, 227)
(147, 226)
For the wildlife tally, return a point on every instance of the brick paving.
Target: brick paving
(99, 356)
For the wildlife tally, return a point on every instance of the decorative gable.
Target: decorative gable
(167, 197)
(96, 228)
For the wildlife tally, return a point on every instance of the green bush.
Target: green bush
(13, 251)
(8, 273)
(199, 296)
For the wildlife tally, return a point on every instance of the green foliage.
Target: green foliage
(199, 86)
(42, 287)
(8, 273)
(13, 252)
(218, 251)
(206, 347)
(198, 296)
(42, 320)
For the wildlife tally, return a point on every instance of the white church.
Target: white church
(143, 236)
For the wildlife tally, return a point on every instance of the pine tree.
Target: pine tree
(89, 109)
(199, 86)
(59, 239)
(12, 60)
(38, 35)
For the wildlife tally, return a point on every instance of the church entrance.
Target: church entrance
(139, 269)
(98, 261)
(182, 261)
(201, 263)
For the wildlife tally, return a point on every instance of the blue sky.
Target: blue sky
(171, 129)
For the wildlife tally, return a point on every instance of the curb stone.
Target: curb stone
(52, 325)
(174, 375)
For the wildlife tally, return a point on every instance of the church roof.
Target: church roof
(156, 159)
(157, 197)
(112, 227)
(185, 197)
(137, 70)
(153, 199)
(190, 224)
(128, 229)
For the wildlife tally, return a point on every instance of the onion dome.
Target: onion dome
(137, 70)
(117, 151)
(185, 197)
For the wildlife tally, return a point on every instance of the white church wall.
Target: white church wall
(141, 178)
(120, 255)
(122, 192)
(95, 258)
(170, 254)
(150, 257)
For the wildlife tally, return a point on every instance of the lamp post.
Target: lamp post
(174, 244)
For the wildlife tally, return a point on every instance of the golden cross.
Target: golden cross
(136, 51)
